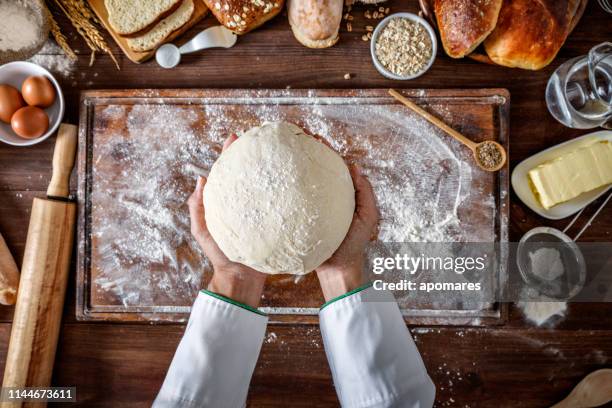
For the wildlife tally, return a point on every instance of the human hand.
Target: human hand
(230, 279)
(343, 272)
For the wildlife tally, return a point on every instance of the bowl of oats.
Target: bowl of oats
(403, 46)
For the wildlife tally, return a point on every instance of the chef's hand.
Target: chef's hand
(343, 272)
(230, 279)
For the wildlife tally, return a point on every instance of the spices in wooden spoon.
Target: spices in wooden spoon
(488, 155)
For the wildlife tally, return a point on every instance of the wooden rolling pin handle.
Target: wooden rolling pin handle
(63, 161)
(40, 299)
(432, 119)
(9, 275)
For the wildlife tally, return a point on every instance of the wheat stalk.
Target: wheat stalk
(60, 38)
(84, 21)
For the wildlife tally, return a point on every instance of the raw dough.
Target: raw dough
(278, 200)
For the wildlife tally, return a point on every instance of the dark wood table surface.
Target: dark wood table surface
(515, 365)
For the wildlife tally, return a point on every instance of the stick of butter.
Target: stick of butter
(566, 177)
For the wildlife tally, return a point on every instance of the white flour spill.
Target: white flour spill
(52, 58)
(145, 171)
(271, 337)
(540, 312)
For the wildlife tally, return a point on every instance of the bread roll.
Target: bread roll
(529, 33)
(315, 23)
(464, 24)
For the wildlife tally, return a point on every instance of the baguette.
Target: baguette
(162, 30)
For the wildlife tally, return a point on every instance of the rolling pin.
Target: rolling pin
(9, 275)
(44, 276)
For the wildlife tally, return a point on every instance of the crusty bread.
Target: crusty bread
(156, 36)
(242, 16)
(135, 17)
(464, 24)
(315, 23)
(529, 33)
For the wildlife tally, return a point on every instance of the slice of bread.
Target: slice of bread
(163, 29)
(134, 17)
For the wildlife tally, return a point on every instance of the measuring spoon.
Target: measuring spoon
(169, 55)
(473, 146)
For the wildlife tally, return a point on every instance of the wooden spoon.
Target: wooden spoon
(593, 391)
(473, 146)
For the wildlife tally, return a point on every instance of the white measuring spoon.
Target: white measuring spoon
(169, 55)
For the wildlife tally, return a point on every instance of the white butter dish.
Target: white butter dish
(520, 181)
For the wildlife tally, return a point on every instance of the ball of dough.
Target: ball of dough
(278, 200)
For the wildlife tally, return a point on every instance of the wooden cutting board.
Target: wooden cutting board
(140, 152)
(98, 7)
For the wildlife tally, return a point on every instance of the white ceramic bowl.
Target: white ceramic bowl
(14, 73)
(432, 35)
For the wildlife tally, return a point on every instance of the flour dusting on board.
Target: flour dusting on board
(145, 171)
(419, 181)
(142, 228)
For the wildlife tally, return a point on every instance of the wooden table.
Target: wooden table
(123, 365)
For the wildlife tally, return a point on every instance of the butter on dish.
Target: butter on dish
(568, 176)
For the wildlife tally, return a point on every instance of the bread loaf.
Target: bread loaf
(315, 23)
(529, 33)
(464, 24)
(156, 35)
(242, 16)
(135, 17)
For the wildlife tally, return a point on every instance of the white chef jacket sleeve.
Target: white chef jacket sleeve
(214, 362)
(373, 359)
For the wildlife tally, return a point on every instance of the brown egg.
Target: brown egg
(30, 122)
(10, 102)
(38, 91)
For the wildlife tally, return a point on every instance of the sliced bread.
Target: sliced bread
(134, 17)
(163, 29)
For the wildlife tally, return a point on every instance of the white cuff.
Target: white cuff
(214, 362)
(373, 359)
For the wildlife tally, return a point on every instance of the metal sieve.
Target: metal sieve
(571, 281)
